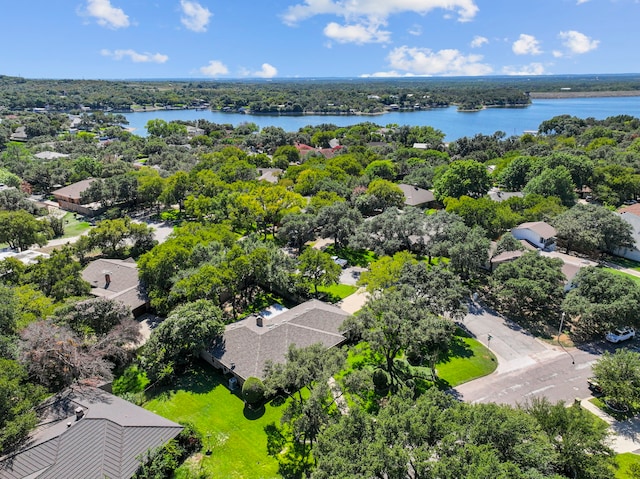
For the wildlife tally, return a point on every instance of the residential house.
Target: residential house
(570, 266)
(20, 134)
(416, 196)
(271, 175)
(248, 344)
(118, 280)
(87, 433)
(631, 214)
(538, 233)
(496, 194)
(70, 198)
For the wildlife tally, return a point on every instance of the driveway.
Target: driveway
(514, 347)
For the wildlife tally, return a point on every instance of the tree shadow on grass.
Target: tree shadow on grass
(253, 413)
(458, 349)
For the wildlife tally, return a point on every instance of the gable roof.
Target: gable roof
(123, 286)
(631, 209)
(106, 441)
(245, 347)
(544, 230)
(414, 195)
(74, 190)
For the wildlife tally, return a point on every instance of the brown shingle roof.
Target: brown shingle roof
(545, 230)
(74, 190)
(124, 284)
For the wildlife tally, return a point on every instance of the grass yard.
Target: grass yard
(236, 437)
(73, 227)
(622, 273)
(624, 462)
(337, 292)
(469, 359)
(624, 262)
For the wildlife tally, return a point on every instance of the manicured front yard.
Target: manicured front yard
(624, 462)
(622, 273)
(73, 227)
(236, 437)
(469, 360)
(337, 292)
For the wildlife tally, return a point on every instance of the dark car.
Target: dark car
(594, 386)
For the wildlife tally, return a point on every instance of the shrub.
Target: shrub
(380, 379)
(253, 391)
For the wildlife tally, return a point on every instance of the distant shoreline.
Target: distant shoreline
(549, 95)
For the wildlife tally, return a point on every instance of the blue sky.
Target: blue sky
(119, 39)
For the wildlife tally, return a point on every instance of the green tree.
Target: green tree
(385, 272)
(528, 288)
(579, 438)
(297, 229)
(601, 301)
(462, 178)
(187, 331)
(592, 229)
(317, 268)
(18, 398)
(94, 316)
(21, 230)
(553, 182)
(338, 221)
(618, 375)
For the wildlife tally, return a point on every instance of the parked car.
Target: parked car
(621, 334)
(594, 386)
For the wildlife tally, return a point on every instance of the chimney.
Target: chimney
(107, 279)
(79, 413)
(259, 321)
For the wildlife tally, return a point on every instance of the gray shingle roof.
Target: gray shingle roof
(107, 442)
(414, 195)
(246, 347)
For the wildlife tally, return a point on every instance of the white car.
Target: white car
(621, 334)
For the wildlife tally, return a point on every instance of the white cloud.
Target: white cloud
(267, 71)
(423, 61)
(577, 42)
(195, 16)
(214, 68)
(415, 30)
(478, 41)
(526, 45)
(106, 14)
(134, 56)
(358, 34)
(557, 53)
(531, 69)
(377, 10)
(580, 2)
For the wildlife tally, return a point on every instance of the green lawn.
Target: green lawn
(622, 273)
(624, 262)
(236, 437)
(624, 461)
(469, 359)
(73, 227)
(337, 292)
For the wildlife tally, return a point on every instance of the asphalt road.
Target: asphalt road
(527, 367)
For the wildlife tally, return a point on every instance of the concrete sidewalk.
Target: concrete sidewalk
(625, 435)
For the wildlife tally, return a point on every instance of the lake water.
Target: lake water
(454, 124)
